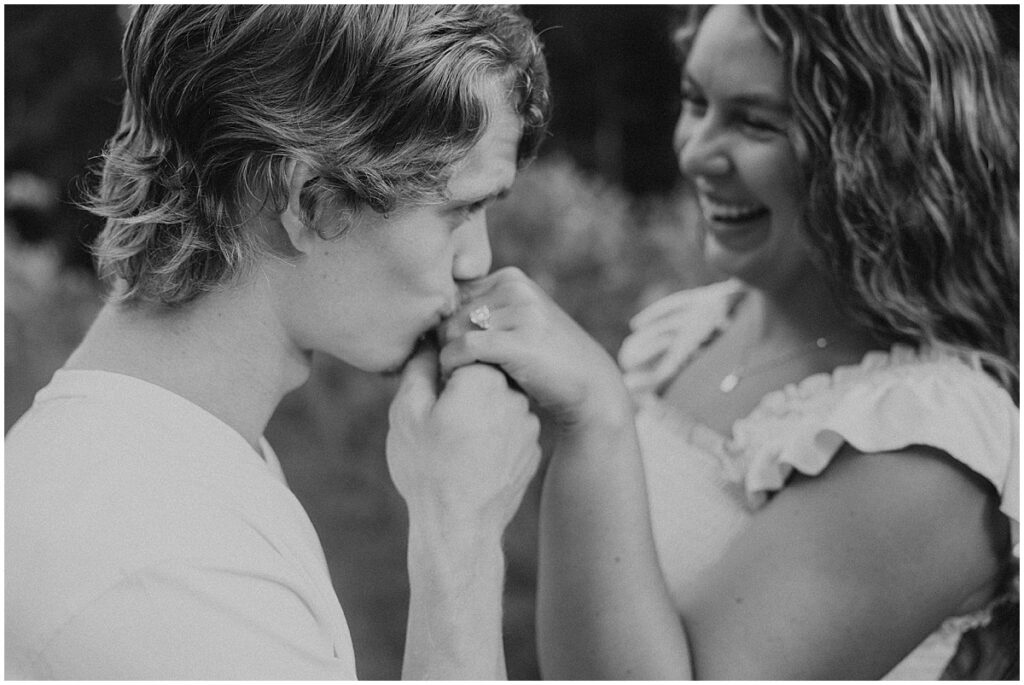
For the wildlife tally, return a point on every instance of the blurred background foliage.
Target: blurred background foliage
(600, 220)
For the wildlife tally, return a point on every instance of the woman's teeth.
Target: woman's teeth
(718, 211)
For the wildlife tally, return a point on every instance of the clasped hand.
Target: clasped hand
(539, 346)
(462, 455)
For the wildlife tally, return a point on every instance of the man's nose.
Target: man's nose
(473, 249)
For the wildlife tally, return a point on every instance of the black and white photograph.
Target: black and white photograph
(511, 342)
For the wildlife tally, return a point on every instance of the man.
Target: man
(285, 180)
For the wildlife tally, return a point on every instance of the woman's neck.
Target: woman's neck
(806, 308)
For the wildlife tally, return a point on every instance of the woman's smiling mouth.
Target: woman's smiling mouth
(728, 212)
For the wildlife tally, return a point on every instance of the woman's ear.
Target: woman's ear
(299, 234)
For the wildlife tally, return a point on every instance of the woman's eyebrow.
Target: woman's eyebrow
(761, 101)
(753, 98)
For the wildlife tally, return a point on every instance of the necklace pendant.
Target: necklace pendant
(729, 382)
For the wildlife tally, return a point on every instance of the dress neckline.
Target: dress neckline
(723, 316)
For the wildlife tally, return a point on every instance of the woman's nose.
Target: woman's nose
(473, 249)
(700, 147)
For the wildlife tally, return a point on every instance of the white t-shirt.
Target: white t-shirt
(146, 539)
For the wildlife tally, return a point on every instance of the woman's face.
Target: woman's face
(732, 142)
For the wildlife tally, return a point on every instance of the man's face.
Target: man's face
(368, 296)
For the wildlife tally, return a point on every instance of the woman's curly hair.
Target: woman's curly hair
(906, 128)
(379, 100)
(905, 124)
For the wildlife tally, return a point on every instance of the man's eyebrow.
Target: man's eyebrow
(499, 194)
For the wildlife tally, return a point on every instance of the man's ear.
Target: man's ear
(300, 235)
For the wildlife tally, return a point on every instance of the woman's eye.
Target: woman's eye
(754, 122)
(693, 103)
(760, 126)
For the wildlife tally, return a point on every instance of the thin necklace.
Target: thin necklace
(742, 370)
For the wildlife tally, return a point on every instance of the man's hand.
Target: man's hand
(462, 457)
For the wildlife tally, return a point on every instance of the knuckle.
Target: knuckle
(521, 288)
(451, 353)
(511, 273)
(532, 316)
(479, 374)
(459, 376)
(472, 342)
(397, 408)
(524, 403)
(449, 330)
(460, 351)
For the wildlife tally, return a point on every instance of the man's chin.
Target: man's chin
(393, 371)
(426, 341)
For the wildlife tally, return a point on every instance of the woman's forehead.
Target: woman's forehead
(730, 49)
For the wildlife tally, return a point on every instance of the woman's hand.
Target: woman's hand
(539, 346)
(463, 455)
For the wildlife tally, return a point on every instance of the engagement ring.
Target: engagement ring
(481, 317)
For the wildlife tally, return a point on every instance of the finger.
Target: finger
(462, 351)
(471, 386)
(478, 375)
(470, 290)
(489, 384)
(505, 277)
(503, 349)
(481, 347)
(454, 326)
(462, 321)
(419, 384)
(533, 457)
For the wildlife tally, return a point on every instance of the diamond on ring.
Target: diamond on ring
(481, 317)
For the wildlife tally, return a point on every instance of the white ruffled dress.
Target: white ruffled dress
(705, 487)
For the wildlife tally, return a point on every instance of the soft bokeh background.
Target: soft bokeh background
(599, 220)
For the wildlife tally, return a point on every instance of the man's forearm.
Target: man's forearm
(456, 581)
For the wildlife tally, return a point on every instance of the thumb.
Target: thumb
(419, 384)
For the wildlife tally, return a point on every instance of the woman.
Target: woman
(822, 477)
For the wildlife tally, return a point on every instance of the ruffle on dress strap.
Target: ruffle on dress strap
(888, 402)
(669, 331)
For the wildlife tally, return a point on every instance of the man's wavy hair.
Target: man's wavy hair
(379, 100)
(906, 125)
